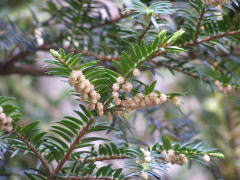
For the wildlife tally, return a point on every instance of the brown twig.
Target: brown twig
(35, 151)
(72, 146)
(198, 27)
(179, 70)
(104, 158)
(111, 21)
(144, 31)
(221, 35)
(86, 178)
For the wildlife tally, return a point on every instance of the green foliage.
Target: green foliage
(148, 36)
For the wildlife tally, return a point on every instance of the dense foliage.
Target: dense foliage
(103, 59)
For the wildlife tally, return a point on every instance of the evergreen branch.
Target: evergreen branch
(26, 69)
(87, 178)
(105, 158)
(111, 21)
(198, 27)
(180, 70)
(217, 36)
(72, 146)
(35, 151)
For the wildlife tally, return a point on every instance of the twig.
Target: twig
(144, 31)
(72, 146)
(111, 21)
(23, 69)
(103, 158)
(198, 27)
(179, 70)
(35, 151)
(211, 38)
(87, 178)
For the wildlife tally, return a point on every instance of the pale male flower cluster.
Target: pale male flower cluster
(5, 121)
(87, 91)
(214, 2)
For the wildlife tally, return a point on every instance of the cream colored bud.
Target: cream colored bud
(100, 112)
(115, 87)
(144, 175)
(217, 83)
(147, 153)
(98, 96)
(120, 80)
(163, 97)
(91, 106)
(8, 128)
(87, 89)
(157, 101)
(99, 106)
(84, 97)
(109, 116)
(214, 2)
(118, 102)
(148, 159)
(2, 116)
(81, 78)
(1, 110)
(136, 72)
(148, 101)
(79, 87)
(127, 87)
(75, 75)
(115, 94)
(171, 152)
(9, 120)
(136, 99)
(140, 95)
(176, 101)
(206, 158)
(229, 87)
(71, 81)
(93, 100)
(87, 83)
(92, 93)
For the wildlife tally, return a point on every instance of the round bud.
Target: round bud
(217, 83)
(144, 175)
(75, 75)
(115, 87)
(99, 106)
(115, 94)
(140, 95)
(171, 152)
(2, 116)
(91, 106)
(206, 158)
(229, 87)
(214, 2)
(148, 159)
(120, 80)
(136, 72)
(176, 101)
(163, 97)
(147, 153)
(84, 97)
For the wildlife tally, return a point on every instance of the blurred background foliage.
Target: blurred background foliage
(206, 113)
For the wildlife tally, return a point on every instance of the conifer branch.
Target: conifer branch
(35, 151)
(81, 133)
